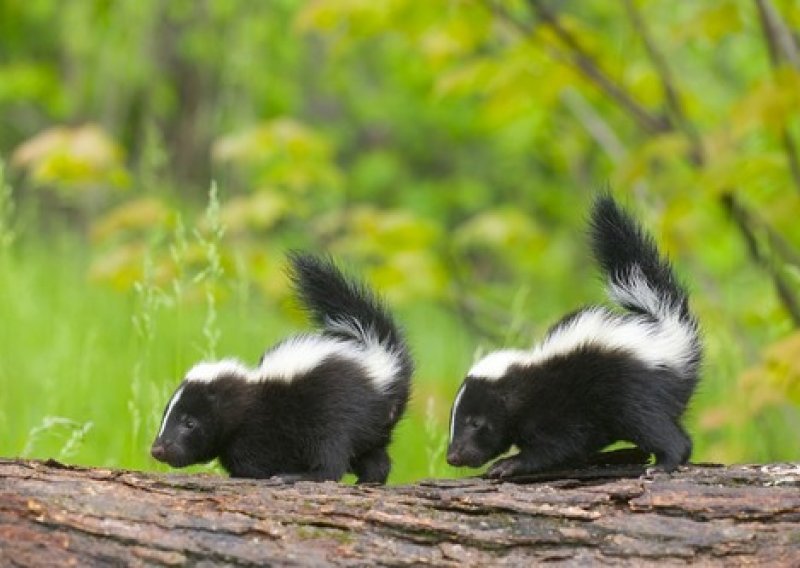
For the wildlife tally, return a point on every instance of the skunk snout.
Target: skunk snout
(453, 458)
(465, 455)
(456, 458)
(159, 452)
(171, 453)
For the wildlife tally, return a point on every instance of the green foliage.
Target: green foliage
(6, 210)
(213, 272)
(72, 159)
(447, 152)
(282, 153)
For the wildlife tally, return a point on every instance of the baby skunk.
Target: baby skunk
(598, 376)
(317, 406)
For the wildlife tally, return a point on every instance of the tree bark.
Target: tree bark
(56, 515)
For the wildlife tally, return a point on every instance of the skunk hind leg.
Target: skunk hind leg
(667, 440)
(687, 452)
(372, 466)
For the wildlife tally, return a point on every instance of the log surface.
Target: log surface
(55, 515)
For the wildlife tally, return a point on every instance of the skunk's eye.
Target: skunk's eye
(473, 423)
(190, 424)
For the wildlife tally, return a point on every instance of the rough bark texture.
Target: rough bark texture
(54, 515)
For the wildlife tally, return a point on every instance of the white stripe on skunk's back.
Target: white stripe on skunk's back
(495, 364)
(668, 342)
(207, 371)
(299, 355)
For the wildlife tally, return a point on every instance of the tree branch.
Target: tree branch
(594, 124)
(748, 226)
(781, 46)
(581, 59)
(671, 95)
(780, 41)
(790, 149)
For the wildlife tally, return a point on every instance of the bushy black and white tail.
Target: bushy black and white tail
(639, 278)
(347, 309)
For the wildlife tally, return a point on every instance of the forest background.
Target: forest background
(159, 158)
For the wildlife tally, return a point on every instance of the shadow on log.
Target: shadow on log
(54, 515)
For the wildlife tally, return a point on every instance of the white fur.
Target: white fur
(352, 327)
(455, 409)
(382, 362)
(667, 341)
(636, 291)
(297, 356)
(173, 401)
(300, 354)
(208, 371)
(305, 352)
(495, 364)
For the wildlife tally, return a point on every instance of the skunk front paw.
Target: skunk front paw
(507, 467)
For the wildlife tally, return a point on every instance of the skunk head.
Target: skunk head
(199, 413)
(478, 423)
(189, 427)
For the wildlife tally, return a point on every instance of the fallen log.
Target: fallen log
(56, 515)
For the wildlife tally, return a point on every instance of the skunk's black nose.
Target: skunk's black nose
(454, 458)
(158, 451)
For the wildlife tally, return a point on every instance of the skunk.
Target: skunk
(599, 375)
(318, 405)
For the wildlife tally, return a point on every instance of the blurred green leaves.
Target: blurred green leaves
(282, 153)
(7, 233)
(73, 160)
(448, 150)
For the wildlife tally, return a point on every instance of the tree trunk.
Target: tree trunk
(55, 515)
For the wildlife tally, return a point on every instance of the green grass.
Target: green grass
(80, 382)
(85, 370)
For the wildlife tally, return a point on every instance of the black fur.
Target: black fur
(323, 423)
(329, 297)
(619, 242)
(564, 409)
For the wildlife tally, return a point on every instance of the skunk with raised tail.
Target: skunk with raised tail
(599, 376)
(318, 405)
